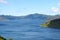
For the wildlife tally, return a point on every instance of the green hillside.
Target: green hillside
(52, 24)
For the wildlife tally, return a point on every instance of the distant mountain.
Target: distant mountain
(36, 16)
(53, 17)
(31, 16)
(7, 18)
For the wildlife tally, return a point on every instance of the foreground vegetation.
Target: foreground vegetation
(2, 38)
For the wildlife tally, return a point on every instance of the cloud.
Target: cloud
(3, 1)
(55, 9)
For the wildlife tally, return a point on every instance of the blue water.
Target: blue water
(28, 30)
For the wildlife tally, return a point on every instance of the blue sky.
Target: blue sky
(25, 7)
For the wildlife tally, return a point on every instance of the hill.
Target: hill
(30, 17)
(53, 23)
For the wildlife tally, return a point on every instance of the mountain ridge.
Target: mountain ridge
(30, 16)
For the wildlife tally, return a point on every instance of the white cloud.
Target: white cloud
(55, 9)
(3, 1)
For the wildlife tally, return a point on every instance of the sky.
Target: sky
(26, 7)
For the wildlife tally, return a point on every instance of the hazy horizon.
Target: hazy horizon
(26, 7)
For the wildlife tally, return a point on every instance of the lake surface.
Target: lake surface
(28, 30)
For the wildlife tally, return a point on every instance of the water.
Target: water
(28, 30)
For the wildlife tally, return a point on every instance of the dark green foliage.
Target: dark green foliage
(2, 38)
(54, 23)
